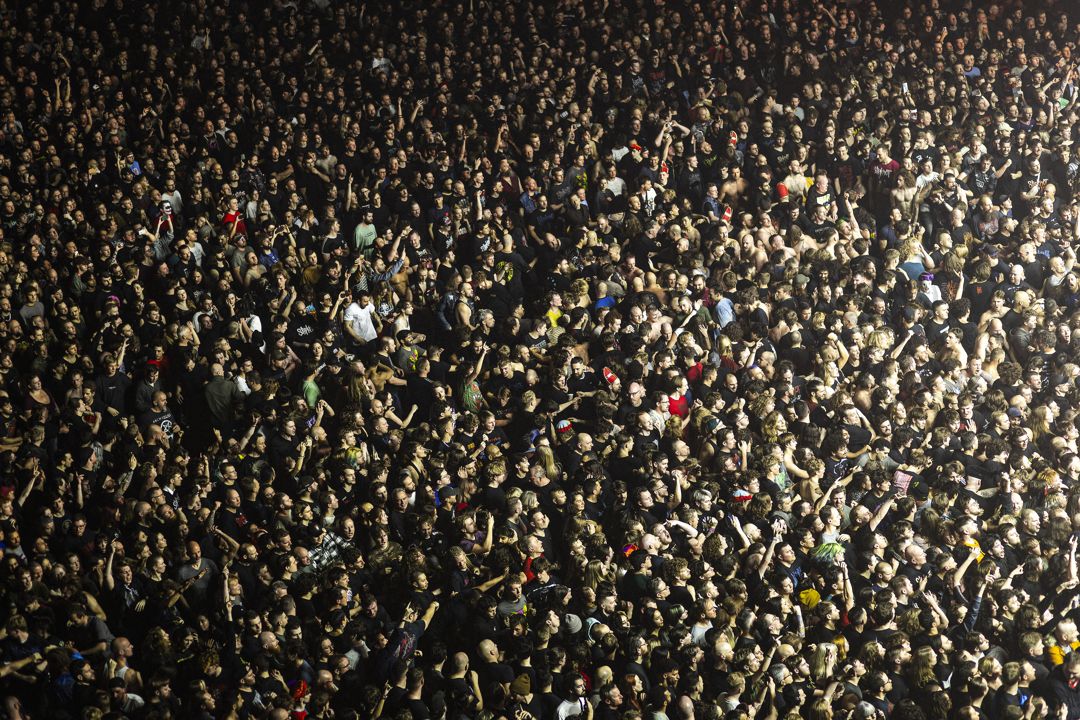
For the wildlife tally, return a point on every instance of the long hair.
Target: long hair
(1040, 423)
(819, 662)
(922, 667)
(546, 457)
(595, 574)
(821, 709)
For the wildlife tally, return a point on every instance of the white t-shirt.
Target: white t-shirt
(255, 325)
(616, 185)
(359, 321)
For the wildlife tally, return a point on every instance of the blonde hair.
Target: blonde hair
(769, 427)
(909, 248)
(529, 501)
(819, 661)
(1040, 424)
(546, 457)
(882, 339)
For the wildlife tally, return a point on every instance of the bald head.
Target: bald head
(915, 554)
(650, 543)
(459, 662)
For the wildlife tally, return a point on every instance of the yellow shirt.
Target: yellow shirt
(1058, 653)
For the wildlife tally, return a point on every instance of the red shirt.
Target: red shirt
(230, 218)
(693, 373)
(679, 406)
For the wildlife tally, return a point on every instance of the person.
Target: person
(541, 361)
(223, 398)
(361, 323)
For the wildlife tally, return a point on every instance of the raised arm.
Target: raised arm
(110, 582)
(958, 576)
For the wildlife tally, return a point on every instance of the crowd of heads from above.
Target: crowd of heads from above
(473, 360)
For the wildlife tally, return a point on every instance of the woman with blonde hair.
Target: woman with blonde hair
(823, 662)
(598, 572)
(914, 260)
(726, 352)
(773, 426)
(545, 457)
(1041, 426)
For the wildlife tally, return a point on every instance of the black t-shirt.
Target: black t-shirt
(459, 690)
(818, 231)
(495, 672)
(835, 468)
(858, 437)
(303, 330)
(163, 419)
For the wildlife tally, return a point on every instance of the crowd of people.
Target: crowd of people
(473, 360)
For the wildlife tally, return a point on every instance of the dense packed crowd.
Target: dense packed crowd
(460, 359)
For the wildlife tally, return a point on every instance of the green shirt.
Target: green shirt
(311, 392)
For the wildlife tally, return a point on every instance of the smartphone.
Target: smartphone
(905, 87)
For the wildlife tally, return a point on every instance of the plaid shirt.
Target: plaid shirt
(327, 551)
(364, 282)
